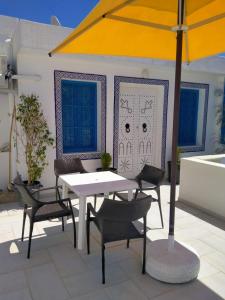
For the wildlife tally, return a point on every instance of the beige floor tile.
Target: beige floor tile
(45, 283)
(91, 281)
(99, 295)
(17, 229)
(113, 255)
(149, 286)
(218, 231)
(190, 233)
(217, 260)
(131, 266)
(216, 283)
(67, 260)
(137, 246)
(201, 247)
(206, 269)
(153, 235)
(13, 281)
(84, 284)
(215, 242)
(19, 261)
(192, 291)
(50, 227)
(125, 291)
(41, 242)
(18, 295)
(6, 237)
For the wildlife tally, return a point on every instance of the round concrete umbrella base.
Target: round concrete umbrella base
(177, 265)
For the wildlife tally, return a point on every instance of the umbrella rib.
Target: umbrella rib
(137, 22)
(72, 37)
(207, 21)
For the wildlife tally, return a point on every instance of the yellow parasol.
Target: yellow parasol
(181, 30)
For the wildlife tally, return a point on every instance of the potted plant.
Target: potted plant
(178, 167)
(106, 160)
(34, 136)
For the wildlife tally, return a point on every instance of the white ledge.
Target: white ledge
(27, 77)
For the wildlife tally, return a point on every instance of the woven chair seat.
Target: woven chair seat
(50, 211)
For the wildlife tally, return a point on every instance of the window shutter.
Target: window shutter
(79, 116)
(188, 120)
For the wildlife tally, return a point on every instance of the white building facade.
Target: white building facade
(134, 110)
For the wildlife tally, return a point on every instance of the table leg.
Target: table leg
(81, 228)
(64, 191)
(64, 196)
(130, 195)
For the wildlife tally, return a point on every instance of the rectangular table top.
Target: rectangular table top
(88, 184)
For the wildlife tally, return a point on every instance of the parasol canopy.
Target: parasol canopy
(147, 29)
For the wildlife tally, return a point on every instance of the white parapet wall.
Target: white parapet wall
(202, 183)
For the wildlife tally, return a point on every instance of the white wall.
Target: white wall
(4, 119)
(37, 39)
(36, 63)
(202, 183)
(4, 138)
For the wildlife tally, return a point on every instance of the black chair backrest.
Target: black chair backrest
(124, 211)
(151, 174)
(25, 195)
(62, 166)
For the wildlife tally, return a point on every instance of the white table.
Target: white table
(89, 184)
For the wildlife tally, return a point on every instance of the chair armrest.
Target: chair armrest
(44, 189)
(56, 201)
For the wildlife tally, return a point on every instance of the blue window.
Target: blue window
(188, 122)
(79, 116)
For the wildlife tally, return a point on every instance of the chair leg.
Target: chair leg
(103, 263)
(95, 201)
(74, 227)
(88, 235)
(136, 193)
(114, 196)
(144, 255)
(63, 228)
(144, 247)
(159, 204)
(30, 237)
(24, 221)
(128, 243)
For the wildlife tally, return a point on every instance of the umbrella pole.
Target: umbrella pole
(175, 136)
(170, 261)
(175, 124)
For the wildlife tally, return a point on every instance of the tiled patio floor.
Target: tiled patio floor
(57, 271)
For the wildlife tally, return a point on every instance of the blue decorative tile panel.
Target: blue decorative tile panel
(140, 116)
(76, 114)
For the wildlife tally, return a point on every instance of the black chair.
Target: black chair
(114, 220)
(62, 166)
(149, 179)
(67, 166)
(41, 211)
